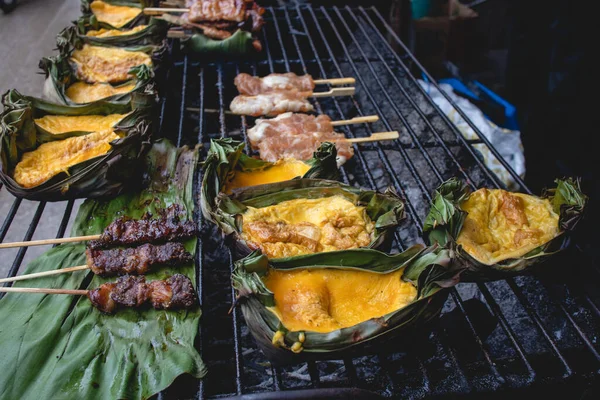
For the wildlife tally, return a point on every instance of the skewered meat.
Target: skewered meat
(225, 16)
(270, 104)
(133, 291)
(296, 136)
(168, 227)
(254, 85)
(137, 260)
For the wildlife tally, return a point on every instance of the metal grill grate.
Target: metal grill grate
(528, 332)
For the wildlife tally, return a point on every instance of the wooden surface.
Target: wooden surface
(26, 35)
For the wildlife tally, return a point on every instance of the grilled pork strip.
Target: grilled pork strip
(136, 260)
(133, 291)
(270, 104)
(168, 227)
(253, 85)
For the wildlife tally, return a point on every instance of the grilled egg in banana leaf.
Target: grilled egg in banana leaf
(90, 31)
(115, 14)
(495, 233)
(227, 168)
(325, 304)
(53, 152)
(304, 216)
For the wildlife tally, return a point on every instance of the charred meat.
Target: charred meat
(168, 227)
(253, 85)
(274, 103)
(177, 292)
(219, 19)
(136, 260)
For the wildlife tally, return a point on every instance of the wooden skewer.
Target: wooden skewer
(356, 120)
(376, 137)
(44, 290)
(45, 273)
(160, 10)
(49, 241)
(335, 81)
(345, 91)
(174, 34)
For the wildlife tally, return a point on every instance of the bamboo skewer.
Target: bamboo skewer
(335, 81)
(76, 292)
(45, 273)
(160, 10)
(356, 120)
(345, 91)
(49, 241)
(375, 137)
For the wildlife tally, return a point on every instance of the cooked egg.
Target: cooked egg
(97, 64)
(81, 92)
(57, 124)
(117, 16)
(104, 33)
(282, 170)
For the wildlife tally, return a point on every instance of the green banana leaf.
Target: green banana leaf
(386, 209)
(429, 269)
(154, 33)
(226, 156)
(106, 175)
(240, 43)
(140, 19)
(61, 347)
(445, 220)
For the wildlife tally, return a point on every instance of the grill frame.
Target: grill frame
(311, 26)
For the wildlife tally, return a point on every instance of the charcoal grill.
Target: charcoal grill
(534, 334)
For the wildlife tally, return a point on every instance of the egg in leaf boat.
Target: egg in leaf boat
(227, 168)
(115, 14)
(496, 233)
(304, 216)
(324, 304)
(53, 152)
(90, 31)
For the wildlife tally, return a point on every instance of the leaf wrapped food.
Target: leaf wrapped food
(115, 14)
(324, 304)
(239, 43)
(496, 233)
(227, 168)
(53, 152)
(304, 216)
(64, 348)
(88, 30)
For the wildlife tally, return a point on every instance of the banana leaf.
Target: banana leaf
(106, 175)
(386, 209)
(445, 221)
(154, 33)
(429, 269)
(86, 10)
(240, 43)
(226, 156)
(61, 347)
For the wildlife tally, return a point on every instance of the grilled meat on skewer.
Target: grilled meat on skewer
(296, 136)
(136, 260)
(168, 227)
(270, 104)
(133, 291)
(253, 85)
(221, 18)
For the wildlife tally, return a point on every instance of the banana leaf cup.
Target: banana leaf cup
(139, 89)
(106, 174)
(87, 28)
(445, 224)
(226, 158)
(385, 210)
(428, 270)
(136, 19)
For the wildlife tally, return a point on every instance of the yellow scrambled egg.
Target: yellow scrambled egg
(104, 33)
(305, 226)
(324, 300)
(97, 64)
(57, 124)
(282, 170)
(52, 158)
(81, 92)
(502, 225)
(117, 16)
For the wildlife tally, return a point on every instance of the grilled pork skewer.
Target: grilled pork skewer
(249, 85)
(123, 231)
(177, 292)
(275, 103)
(132, 261)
